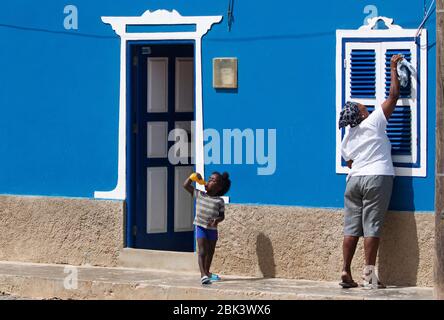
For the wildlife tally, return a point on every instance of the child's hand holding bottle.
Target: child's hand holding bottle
(196, 177)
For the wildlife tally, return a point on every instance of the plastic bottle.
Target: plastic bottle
(194, 178)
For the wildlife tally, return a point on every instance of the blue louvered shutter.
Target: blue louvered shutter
(399, 127)
(363, 73)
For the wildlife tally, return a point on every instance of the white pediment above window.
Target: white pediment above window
(373, 21)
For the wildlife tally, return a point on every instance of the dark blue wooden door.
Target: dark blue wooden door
(164, 101)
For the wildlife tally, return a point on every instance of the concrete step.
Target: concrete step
(44, 281)
(158, 260)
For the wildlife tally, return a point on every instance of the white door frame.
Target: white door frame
(159, 17)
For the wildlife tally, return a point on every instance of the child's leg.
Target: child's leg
(202, 244)
(209, 258)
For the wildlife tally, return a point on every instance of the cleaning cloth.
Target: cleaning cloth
(405, 70)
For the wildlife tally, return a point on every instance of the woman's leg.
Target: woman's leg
(371, 245)
(352, 226)
(376, 201)
(348, 251)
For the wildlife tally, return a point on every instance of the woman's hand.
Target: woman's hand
(394, 61)
(349, 164)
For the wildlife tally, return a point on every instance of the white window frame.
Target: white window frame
(404, 165)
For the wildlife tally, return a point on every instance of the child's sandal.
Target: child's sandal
(214, 277)
(205, 280)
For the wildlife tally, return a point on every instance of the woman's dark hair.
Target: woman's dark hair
(225, 182)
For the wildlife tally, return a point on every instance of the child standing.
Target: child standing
(210, 211)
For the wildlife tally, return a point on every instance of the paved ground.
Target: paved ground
(7, 297)
(56, 281)
(4, 296)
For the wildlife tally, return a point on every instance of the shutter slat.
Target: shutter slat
(363, 73)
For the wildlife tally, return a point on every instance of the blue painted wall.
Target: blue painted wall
(59, 94)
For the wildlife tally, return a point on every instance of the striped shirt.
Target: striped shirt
(207, 209)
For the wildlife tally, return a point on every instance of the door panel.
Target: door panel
(157, 84)
(156, 199)
(183, 206)
(163, 99)
(184, 85)
(157, 138)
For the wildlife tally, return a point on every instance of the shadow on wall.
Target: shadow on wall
(399, 249)
(402, 195)
(265, 256)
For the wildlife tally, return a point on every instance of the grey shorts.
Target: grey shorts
(366, 201)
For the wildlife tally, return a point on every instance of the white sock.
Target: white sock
(370, 275)
(369, 269)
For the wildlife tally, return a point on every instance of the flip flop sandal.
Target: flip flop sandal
(348, 284)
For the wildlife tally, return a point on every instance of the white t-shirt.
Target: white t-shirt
(368, 146)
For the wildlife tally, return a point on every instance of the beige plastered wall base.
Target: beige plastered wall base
(262, 241)
(61, 230)
(306, 243)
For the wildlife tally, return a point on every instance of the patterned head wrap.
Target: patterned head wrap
(349, 115)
